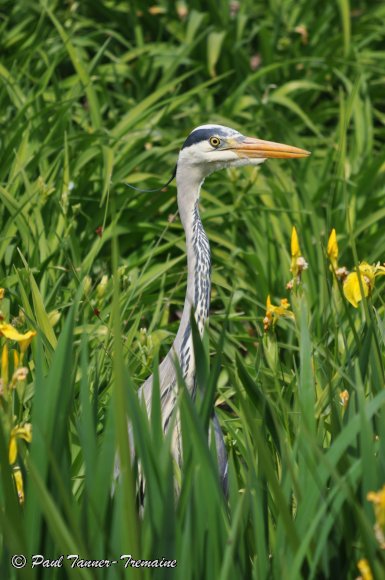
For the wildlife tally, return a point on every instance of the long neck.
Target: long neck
(198, 273)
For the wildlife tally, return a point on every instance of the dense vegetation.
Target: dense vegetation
(94, 95)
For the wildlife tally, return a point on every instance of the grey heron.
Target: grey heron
(207, 149)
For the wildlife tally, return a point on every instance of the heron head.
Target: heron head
(212, 147)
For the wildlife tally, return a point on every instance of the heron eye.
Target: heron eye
(214, 141)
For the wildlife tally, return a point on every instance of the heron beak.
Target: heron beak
(258, 149)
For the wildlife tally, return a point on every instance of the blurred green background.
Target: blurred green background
(94, 95)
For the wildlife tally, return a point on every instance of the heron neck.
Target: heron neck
(198, 274)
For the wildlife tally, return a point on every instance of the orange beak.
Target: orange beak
(256, 148)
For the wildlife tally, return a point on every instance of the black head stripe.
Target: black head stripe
(203, 135)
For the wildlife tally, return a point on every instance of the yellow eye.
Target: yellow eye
(214, 141)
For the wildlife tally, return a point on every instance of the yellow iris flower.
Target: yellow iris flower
(344, 398)
(332, 252)
(367, 274)
(295, 266)
(295, 249)
(298, 262)
(364, 568)
(18, 432)
(332, 249)
(4, 364)
(18, 478)
(10, 332)
(274, 312)
(378, 498)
